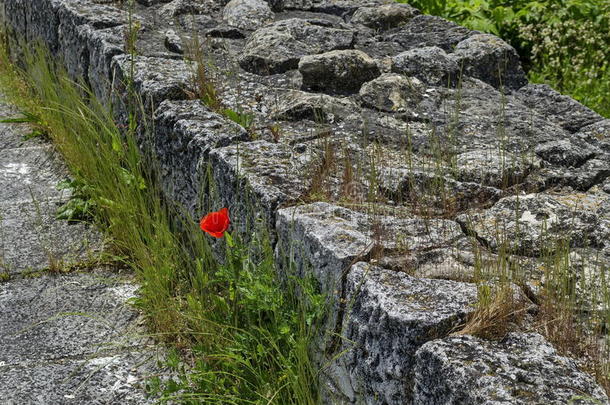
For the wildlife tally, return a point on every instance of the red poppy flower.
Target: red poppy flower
(216, 223)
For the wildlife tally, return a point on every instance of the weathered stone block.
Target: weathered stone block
(279, 47)
(384, 17)
(388, 316)
(428, 30)
(563, 110)
(338, 71)
(521, 369)
(254, 179)
(247, 14)
(392, 93)
(528, 224)
(490, 59)
(429, 64)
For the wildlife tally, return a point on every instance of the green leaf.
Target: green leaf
(229, 239)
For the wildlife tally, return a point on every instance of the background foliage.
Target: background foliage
(565, 43)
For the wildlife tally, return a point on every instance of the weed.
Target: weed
(80, 206)
(5, 276)
(241, 118)
(498, 310)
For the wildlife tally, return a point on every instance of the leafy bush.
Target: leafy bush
(561, 42)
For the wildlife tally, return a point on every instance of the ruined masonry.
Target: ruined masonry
(389, 152)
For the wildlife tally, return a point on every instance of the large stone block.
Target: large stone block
(490, 59)
(521, 369)
(254, 179)
(338, 71)
(388, 316)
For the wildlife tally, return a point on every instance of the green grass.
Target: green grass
(244, 332)
(563, 43)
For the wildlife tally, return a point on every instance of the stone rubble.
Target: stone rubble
(388, 151)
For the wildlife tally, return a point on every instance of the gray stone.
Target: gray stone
(65, 338)
(390, 315)
(527, 224)
(606, 186)
(30, 174)
(478, 117)
(279, 47)
(469, 146)
(565, 152)
(428, 30)
(425, 187)
(177, 8)
(65, 316)
(12, 134)
(29, 229)
(429, 64)
(298, 105)
(392, 93)
(341, 71)
(565, 111)
(225, 32)
(384, 17)
(328, 238)
(492, 167)
(102, 46)
(254, 179)
(154, 79)
(247, 14)
(118, 378)
(521, 369)
(197, 23)
(487, 57)
(185, 132)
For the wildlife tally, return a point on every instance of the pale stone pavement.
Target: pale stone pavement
(64, 338)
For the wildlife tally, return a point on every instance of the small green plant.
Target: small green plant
(80, 206)
(242, 118)
(4, 276)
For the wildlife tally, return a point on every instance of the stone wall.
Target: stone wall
(391, 153)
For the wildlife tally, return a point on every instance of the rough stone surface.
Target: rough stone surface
(521, 369)
(391, 316)
(338, 71)
(428, 30)
(30, 173)
(569, 113)
(155, 79)
(279, 47)
(66, 338)
(384, 17)
(298, 105)
(256, 178)
(247, 14)
(191, 132)
(392, 93)
(429, 64)
(490, 59)
(527, 223)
